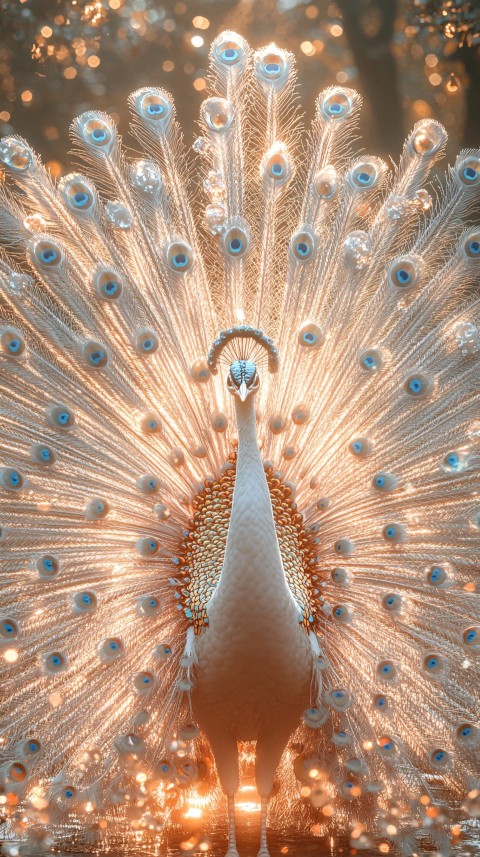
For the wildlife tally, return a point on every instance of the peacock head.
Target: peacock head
(243, 379)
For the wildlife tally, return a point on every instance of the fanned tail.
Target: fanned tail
(117, 444)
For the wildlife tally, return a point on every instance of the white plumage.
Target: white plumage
(240, 450)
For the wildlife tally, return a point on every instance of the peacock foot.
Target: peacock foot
(232, 852)
(264, 852)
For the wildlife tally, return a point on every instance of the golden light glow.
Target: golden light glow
(197, 41)
(307, 48)
(193, 812)
(201, 23)
(27, 96)
(11, 656)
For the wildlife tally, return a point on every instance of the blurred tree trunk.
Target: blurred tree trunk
(369, 27)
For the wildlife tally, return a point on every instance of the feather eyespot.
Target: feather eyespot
(77, 193)
(108, 285)
(236, 242)
(47, 253)
(95, 355)
(12, 342)
(336, 104)
(153, 105)
(179, 256)
(11, 479)
(9, 629)
(302, 246)
(146, 342)
(229, 51)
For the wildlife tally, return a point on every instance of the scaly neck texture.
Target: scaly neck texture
(252, 549)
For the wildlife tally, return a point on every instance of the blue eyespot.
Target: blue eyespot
(236, 242)
(68, 793)
(235, 245)
(335, 108)
(56, 660)
(45, 454)
(98, 135)
(48, 256)
(465, 732)
(277, 169)
(111, 288)
(390, 532)
(369, 361)
(229, 55)
(415, 386)
(302, 248)
(179, 256)
(470, 174)
(432, 663)
(338, 694)
(180, 260)
(470, 636)
(381, 701)
(146, 342)
(15, 479)
(14, 345)
(272, 68)
(96, 357)
(357, 446)
(435, 574)
(152, 425)
(386, 669)
(33, 747)
(155, 109)
(403, 276)
(81, 199)
(474, 247)
(309, 338)
(364, 178)
(380, 481)
(114, 646)
(338, 611)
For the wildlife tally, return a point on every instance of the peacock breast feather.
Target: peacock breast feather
(202, 550)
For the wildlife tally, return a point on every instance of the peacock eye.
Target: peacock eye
(271, 67)
(12, 343)
(470, 245)
(152, 105)
(302, 246)
(236, 242)
(179, 257)
(47, 253)
(278, 166)
(404, 273)
(336, 104)
(230, 52)
(11, 479)
(146, 342)
(468, 171)
(418, 385)
(95, 355)
(364, 175)
(326, 183)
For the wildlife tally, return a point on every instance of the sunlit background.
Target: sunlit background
(409, 58)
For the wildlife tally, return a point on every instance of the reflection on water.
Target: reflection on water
(281, 845)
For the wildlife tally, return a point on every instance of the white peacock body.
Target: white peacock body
(157, 570)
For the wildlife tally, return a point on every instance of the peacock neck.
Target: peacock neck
(252, 554)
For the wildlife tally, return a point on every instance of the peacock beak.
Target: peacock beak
(243, 391)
